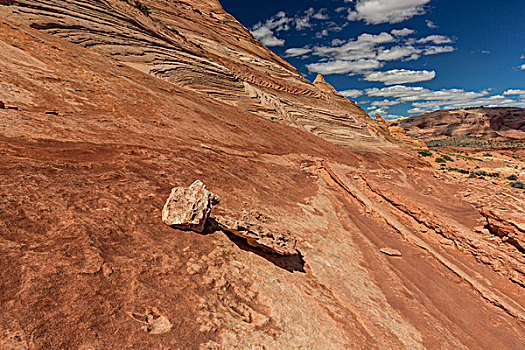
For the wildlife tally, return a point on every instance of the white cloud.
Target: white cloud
(266, 32)
(522, 56)
(398, 52)
(352, 93)
(423, 99)
(434, 50)
(386, 11)
(344, 67)
(402, 32)
(514, 92)
(436, 39)
(400, 76)
(368, 52)
(431, 24)
(322, 14)
(297, 51)
(384, 103)
(321, 34)
(522, 67)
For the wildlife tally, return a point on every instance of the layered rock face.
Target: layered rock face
(195, 43)
(486, 123)
(91, 148)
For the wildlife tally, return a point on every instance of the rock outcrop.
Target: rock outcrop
(486, 123)
(189, 208)
(260, 232)
(509, 226)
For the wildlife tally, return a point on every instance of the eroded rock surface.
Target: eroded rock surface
(189, 208)
(510, 226)
(259, 232)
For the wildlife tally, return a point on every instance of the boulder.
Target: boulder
(259, 232)
(2, 105)
(189, 208)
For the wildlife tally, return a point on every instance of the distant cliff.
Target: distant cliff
(487, 123)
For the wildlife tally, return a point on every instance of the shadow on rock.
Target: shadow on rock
(290, 263)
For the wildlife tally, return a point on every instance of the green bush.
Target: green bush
(447, 158)
(512, 178)
(425, 153)
(517, 184)
(440, 160)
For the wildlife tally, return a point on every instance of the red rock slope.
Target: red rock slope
(90, 150)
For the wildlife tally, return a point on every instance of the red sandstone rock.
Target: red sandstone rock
(258, 231)
(390, 251)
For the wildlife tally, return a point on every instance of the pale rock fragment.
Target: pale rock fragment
(189, 208)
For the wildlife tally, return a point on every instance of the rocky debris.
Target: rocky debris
(154, 323)
(52, 113)
(205, 146)
(189, 208)
(390, 251)
(509, 226)
(2, 105)
(259, 232)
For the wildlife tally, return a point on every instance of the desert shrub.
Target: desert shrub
(472, 175)
(517, 184)
(487, 155)
(425, 153)
(494, 175)
(447, 158)
(459, 170)
(440, 160)
(512, 178)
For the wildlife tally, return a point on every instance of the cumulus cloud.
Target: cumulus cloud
(423, 99)
(368, 52)
(384, 103)
(522, 67)
(514, 92)
(431, 24)
(400, 76)
(344, 67)
(386, 11)
(297, 51)
(398, 52)
(402, 32)
(266, 31)
(352, 93)
(434, 50)
(436, 39)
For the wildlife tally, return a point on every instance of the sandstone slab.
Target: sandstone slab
(259, 232)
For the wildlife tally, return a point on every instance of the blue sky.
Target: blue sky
(400, 57)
